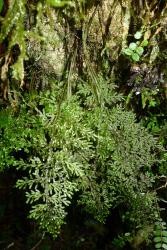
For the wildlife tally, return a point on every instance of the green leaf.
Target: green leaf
(138, 35)
(132, 46)
(1, 5)
(144, 43)
(139, 50)
(128, 52)
(157, 239)
(164, 239)
(163, 223)
(59, 3)
(158, 245)
(135, 57)
(164, 233)
(158, 228)
(164, 246)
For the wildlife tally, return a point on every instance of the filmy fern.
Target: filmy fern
(80, 146)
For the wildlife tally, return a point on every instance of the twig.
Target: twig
(39, 242)
(161, 187)
(9, 246)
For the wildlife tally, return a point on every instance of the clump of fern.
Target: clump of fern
(79, 145)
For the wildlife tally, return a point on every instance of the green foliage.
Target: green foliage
(148, 97)
(55, 167)
(87, 144)
(136, 49)
(121, 240)
(122, 153)
(160, 235)
(80, 146)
